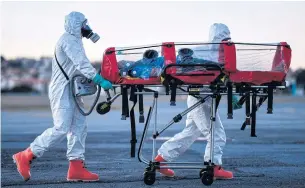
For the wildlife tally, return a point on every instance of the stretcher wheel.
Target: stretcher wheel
(103, 108)
(149, 177)
(206, 178)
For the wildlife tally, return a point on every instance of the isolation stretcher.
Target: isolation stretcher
(252, 71)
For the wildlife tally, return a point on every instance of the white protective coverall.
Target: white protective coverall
(68, 121)
(198, 120)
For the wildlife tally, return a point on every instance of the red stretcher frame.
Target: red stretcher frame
(227, 56)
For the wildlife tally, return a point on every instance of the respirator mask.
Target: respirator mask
(88, 33)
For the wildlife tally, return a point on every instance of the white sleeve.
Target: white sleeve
(207, 52)
(76, 53)
(201, 52)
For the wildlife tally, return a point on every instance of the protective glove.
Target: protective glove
(99, 80)
(235, 104)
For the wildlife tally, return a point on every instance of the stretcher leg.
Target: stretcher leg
(212, 123)
(141, 109)
(253, 116)
(133, 141)
(155, 126)
(270, 100)
(207, 174)
(248, 109)
(230, 99)
(173, 94)
(125, 111)
(140, 156)
(150, 171)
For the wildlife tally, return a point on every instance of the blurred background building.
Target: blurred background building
(27, 75)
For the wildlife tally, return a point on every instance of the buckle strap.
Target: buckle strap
(60, 67)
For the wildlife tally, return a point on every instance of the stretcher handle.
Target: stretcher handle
(108, 95)
(207, 66)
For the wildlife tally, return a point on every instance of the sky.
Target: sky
(31, 29)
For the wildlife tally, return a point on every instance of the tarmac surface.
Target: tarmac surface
(275, 158)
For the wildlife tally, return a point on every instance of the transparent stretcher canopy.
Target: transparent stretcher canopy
(148, 61)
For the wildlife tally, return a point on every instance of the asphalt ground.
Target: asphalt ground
(275, 158)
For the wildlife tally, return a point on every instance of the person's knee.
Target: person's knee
(80, 127)
(220, 136)
(62, 129)
(79, 130)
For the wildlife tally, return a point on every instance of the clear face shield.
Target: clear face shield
(88, 33)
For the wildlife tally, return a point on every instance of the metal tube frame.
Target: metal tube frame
(153, 111)
(207, 86)
(212, 122)
(176, 165)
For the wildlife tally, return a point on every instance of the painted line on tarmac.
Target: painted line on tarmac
(165, 138)
(202, 139)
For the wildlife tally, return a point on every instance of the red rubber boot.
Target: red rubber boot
(220, 173)
(78, 172)
(165, 171)
(23, 161)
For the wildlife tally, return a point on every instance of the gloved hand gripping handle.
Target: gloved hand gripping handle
(105, 106)
(108, 95)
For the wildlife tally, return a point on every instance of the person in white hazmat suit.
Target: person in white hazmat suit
(69, 59)
(198, 120)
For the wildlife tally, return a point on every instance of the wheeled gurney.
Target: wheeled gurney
(206, 70)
